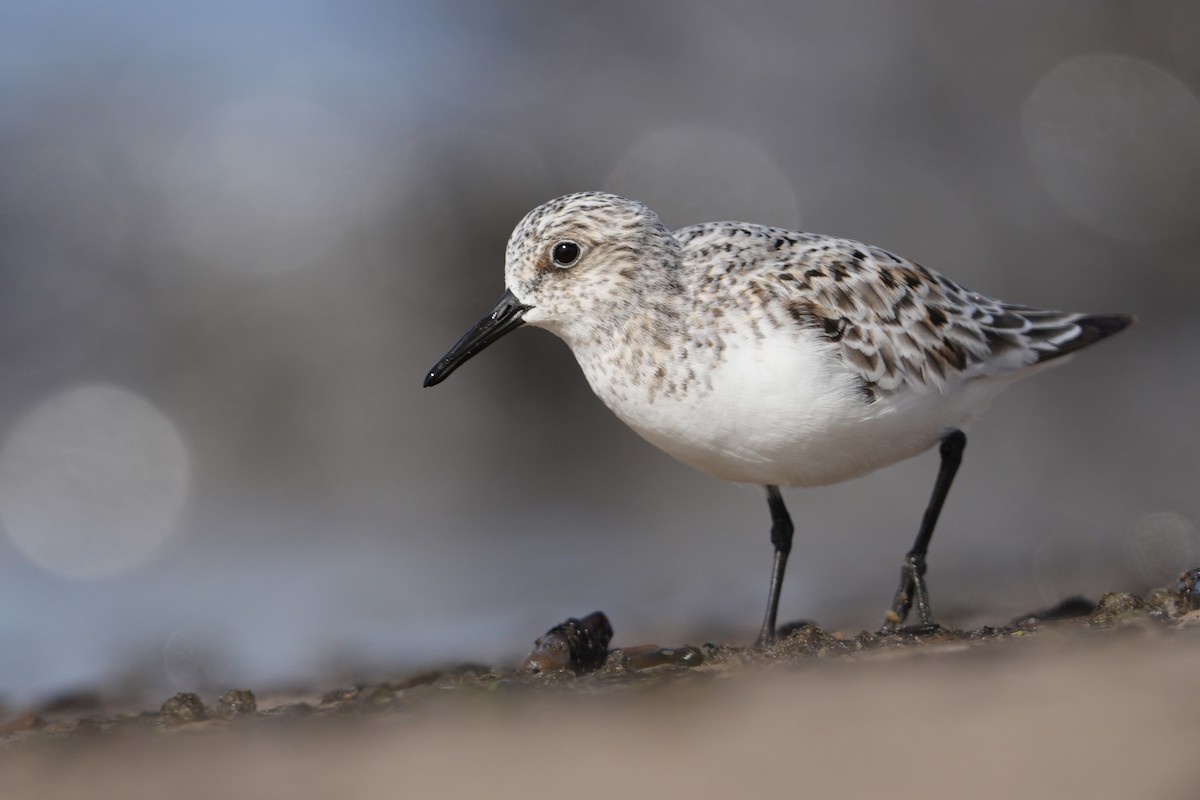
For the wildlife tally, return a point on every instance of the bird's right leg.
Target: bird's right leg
(781, 538)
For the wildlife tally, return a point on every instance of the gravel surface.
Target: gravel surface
(1084, 700)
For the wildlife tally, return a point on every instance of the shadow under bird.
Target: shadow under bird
(769, 356)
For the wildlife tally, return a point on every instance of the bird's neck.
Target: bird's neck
(626, 355)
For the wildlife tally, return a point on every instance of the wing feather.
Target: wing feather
(899, 325)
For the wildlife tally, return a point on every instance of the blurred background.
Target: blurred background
(233, 237)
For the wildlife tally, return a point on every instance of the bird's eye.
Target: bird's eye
(565, 254)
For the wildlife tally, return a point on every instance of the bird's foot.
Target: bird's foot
(912, 591)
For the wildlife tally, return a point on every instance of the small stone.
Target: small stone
(184, 708)
(1116, 608)
(577, 646)
(1166, 604)
(237, 703)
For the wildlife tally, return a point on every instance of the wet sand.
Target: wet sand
(1107, 708)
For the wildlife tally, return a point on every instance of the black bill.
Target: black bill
(504, 317)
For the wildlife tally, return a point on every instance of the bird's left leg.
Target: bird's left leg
(912, 574)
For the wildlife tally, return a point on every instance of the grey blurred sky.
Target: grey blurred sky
(233, 236)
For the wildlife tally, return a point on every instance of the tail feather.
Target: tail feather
(1087, 330)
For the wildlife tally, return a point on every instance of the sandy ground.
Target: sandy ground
(1068, 710)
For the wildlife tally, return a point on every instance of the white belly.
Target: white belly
(784, 411)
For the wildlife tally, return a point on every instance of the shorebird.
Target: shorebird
(768, 356)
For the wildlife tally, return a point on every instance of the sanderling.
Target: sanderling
(768, 356)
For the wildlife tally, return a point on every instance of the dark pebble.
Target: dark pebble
(577, 645)
(183, 709)
(237, 703)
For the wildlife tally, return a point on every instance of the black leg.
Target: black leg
(912, 573)
(781, 537)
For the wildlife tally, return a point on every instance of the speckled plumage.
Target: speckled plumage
(863, 358)
(764, 355)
